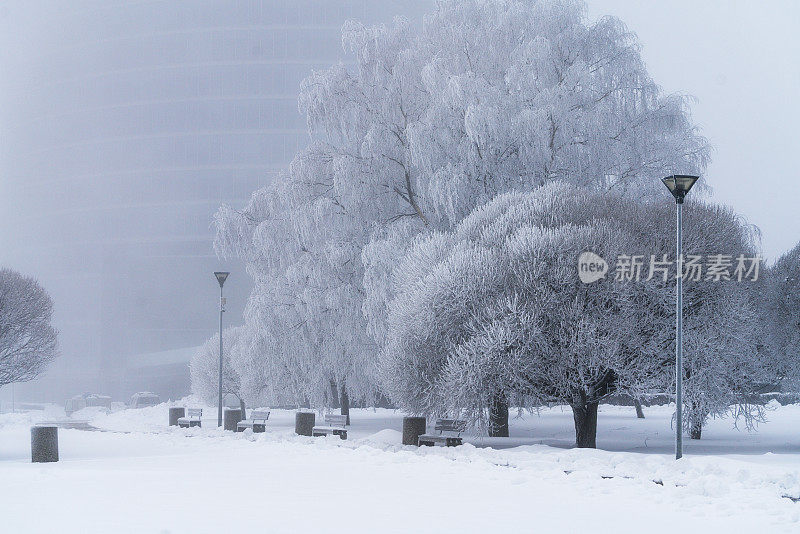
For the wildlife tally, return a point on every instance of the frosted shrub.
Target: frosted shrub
(495, 309)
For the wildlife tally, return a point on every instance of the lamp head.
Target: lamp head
(221, 277)
(679, 185)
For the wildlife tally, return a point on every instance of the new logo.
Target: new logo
(591, 267)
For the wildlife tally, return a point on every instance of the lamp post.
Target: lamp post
(679, 185)
(221, 277)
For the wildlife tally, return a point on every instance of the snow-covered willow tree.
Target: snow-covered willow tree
(304, 311)
(487, 97)
(491, 96)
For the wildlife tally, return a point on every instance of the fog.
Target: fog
(125, 124)
(739, 59)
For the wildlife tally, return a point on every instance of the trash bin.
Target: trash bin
(231, 417)
(304, 422)
(44, 444)
(413, 428)
(175, 414)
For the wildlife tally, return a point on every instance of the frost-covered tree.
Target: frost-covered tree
(204, 369)
(28, 341)
(292, 366)
(782, 321)
(723, 367)
(495, 309)
(250, 359)
(489, 97)
(305, 305)
(726, 362)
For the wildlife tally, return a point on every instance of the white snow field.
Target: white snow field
(145, 477)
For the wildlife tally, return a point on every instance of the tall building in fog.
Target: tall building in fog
(123, 126)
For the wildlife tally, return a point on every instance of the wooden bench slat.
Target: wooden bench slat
(451, 425)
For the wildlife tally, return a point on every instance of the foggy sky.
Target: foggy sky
(741, 60)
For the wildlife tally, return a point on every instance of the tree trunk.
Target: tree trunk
(696, 419)
(334, 394)
(696, 429)
(585, 416)
(639, 411)
(345, 404)
(498, 416)
(242, 407)
(383, 401)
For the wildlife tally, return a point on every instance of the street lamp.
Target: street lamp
(221, 277)
(679, 185)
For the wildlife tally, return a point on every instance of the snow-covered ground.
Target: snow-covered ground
(142, 476)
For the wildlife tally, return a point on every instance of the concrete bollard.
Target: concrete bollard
(304, 422)
(175, 414)
(413, 428)
(231, 417)
(44, 444)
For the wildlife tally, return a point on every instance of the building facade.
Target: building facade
(123, 126)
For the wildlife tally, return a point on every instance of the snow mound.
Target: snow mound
(49, 412)
(384, 437)
(147, 419)
(90, 412)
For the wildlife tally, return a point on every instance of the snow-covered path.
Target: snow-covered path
(157, 479)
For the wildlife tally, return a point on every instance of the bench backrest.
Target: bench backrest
(194, 412)
(451, 425)
(336, 420)
(259, 415)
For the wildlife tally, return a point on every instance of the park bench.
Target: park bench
(257, 421)
(192, 418)
(334, 424)
(452, 437)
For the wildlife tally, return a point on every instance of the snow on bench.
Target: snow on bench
(192, 418)
(451, 426)
(257, 421)
(335, 424)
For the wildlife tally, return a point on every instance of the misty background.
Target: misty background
(125, 124)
